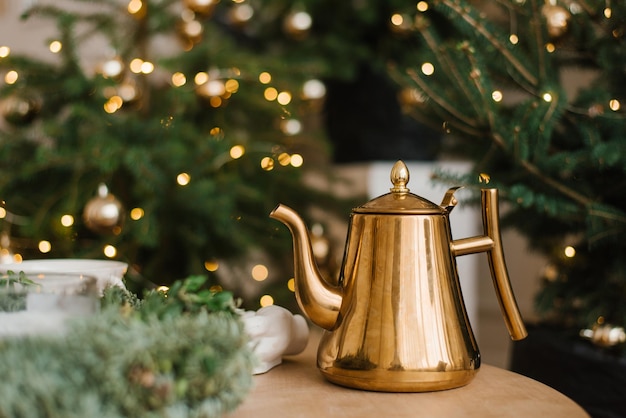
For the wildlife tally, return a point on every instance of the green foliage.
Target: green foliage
(12, 291)
(54, 158)
(559, 159)
(181, 354)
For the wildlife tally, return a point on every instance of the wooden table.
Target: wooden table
(297, 389)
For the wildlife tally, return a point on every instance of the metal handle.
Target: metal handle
(491, 243)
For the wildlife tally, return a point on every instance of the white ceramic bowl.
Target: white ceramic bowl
(107, 272)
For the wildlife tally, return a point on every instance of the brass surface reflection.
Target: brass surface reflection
(397, 321)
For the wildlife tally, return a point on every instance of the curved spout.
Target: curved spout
(319, 300)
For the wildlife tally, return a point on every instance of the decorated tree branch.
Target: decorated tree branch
(495, 79)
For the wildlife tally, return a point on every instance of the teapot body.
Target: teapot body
(395, 319)
(402, 325)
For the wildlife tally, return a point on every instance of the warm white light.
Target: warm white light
(134, 6)
(284, 98)
(265, 77)
(313, 89)
(183, 179)
(497, 96)
(11, 77)
(614, 105)
(44, 246)
(237, 151)
(135, 65)
(547, 97)
(179, 79)
(422, 6)
(113, 104)
(3, 213)
(514, 39)
(301, 21)
(55, 47)
(608, 12)
(214, 88)
(550, 47)
(428, 68)
(4, 51)
(266, 300)
(397, 19)
(193, 28)
(67, 220)
(270, 94)
(110, 251)
(243, 13)
(296, 160)
(136, 214)
(147, 67)
(569, 251)
(201, 78)
(260, 272)
(291, 126)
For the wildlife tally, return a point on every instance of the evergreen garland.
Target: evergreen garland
(180, 354)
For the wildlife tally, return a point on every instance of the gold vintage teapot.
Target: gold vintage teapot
(396, 321)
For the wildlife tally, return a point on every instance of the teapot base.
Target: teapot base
(398, 381)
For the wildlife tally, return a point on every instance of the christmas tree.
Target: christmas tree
(170, 150)
(533, 92)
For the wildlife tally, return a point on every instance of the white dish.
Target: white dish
(107, 272)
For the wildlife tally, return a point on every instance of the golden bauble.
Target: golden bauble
(240, 14)
(112, 68)
(104, 213)
(411, 97)
(298, 24)
(192, 30)
(204, 7)
(557, 20)
(20, 109)
(605, 335)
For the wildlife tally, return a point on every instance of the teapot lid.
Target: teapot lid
(400, 200)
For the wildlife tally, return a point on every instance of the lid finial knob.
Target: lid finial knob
(399, 177)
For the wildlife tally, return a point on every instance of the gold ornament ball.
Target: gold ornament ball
(557, 20)
(113, 68)
(298, 24)
(104, 214)
(20, 109)
(203, 7)
(240, 14)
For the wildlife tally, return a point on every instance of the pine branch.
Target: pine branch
(480, 29)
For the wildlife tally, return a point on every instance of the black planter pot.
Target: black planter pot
(592, 377)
